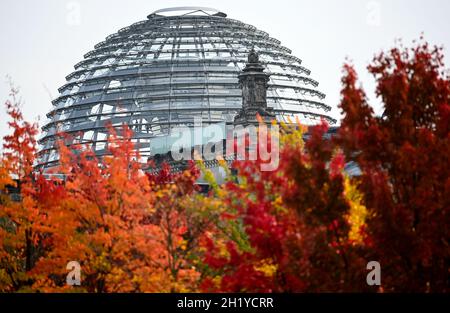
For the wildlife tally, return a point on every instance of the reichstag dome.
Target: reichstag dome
(161, 73)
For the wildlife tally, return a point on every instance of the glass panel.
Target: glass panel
(100, 72)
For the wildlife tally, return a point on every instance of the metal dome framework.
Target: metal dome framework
(160, 73)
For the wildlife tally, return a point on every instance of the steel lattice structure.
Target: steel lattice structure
(162, 72)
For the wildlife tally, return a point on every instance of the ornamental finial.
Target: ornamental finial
(253, 56)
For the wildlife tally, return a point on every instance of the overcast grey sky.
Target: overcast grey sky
(42, 40)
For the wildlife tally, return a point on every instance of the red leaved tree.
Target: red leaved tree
(287, 230)
(404, 160)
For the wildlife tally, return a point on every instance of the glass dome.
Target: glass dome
(160, 73)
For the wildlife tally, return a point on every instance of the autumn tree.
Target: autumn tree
(20, 244)
(404, 159)
(100, 222)
(395, 212)
(182, 221)
(289, 228)
(130, 231)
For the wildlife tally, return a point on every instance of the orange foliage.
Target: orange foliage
(306, 226)
(123, 227)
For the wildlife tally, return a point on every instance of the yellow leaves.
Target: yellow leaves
(182, 244)
(358, 212)
(279, 205)
(101, 264)
(186, 281)
(5, 281)
(209, 177)
(223, 251)
(223, 164)
(278, 201)
(217, 281)
(266, 267)
(118, 280)
(292, 134)
(5, 178)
